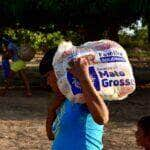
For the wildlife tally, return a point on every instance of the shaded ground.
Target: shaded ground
(22, 121)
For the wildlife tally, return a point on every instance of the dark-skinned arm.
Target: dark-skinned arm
(93, 99)
(51, 115)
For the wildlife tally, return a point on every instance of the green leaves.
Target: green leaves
(54, 15)
(139, 39)
(36, 39)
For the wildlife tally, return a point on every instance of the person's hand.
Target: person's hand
(79, 68)
(49, 132)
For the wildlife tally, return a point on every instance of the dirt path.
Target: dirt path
(22, 121)
(124, 115)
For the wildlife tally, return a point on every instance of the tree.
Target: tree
(92, 19)
(146, 16)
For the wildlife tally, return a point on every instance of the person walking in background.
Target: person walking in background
(143, 132)
(74, 126)
(10, 51)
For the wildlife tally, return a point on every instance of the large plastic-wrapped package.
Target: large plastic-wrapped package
(109, 68)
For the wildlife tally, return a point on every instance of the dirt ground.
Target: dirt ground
(22, 121)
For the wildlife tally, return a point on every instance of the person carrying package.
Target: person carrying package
(74, 126)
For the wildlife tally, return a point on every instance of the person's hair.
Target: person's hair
(144, 123)
(46, 62)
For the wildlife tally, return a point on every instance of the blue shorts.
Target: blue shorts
(6, 68)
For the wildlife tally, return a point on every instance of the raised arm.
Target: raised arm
(94, 101)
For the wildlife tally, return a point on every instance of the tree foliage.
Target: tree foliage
(90, 18)
(39, 39)
(138, 39)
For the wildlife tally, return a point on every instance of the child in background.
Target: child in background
(10, 51)
(143, 132)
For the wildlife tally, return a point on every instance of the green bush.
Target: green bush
(139, 39)
(37, 39)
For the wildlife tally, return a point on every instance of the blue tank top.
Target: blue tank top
(75, 129)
